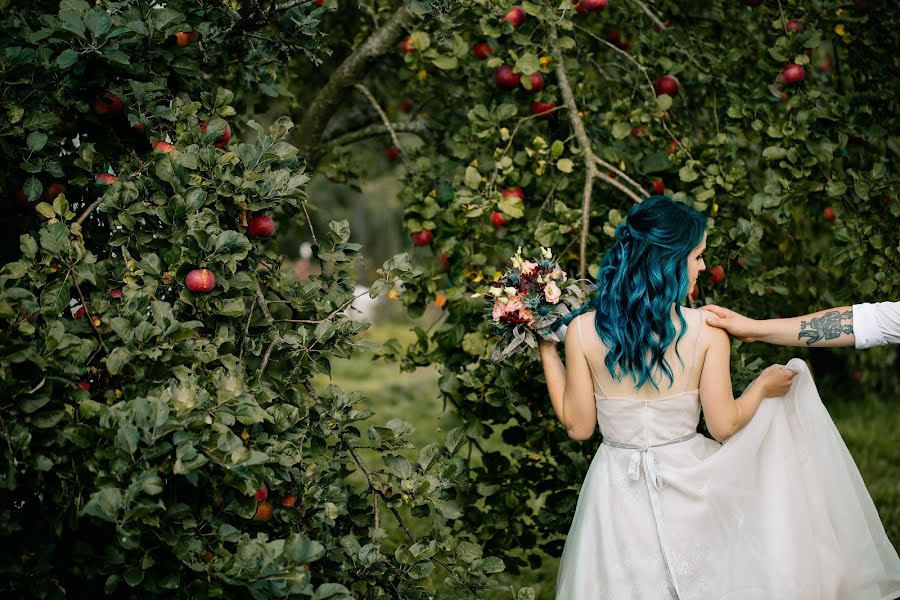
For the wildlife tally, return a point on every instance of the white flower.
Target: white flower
(546, 252)
(496, 291)
(511, 291)
(502, 299)
(554, 275)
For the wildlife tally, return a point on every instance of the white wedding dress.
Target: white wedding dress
(777, 512)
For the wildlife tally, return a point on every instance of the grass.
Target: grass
(869, 427)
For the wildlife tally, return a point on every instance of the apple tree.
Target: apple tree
(160, 430)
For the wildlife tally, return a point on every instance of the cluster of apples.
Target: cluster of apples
(265, 508)
(202, 281)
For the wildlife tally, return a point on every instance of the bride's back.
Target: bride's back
(685, 372)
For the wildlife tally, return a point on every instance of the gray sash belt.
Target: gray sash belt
(646, 455)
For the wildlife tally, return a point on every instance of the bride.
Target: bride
(774, 508)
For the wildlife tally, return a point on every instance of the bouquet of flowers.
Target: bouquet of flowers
(530, 299)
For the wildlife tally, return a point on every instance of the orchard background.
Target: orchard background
(164, 436)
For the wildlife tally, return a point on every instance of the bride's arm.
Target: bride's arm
(724, 415)
(570, 386)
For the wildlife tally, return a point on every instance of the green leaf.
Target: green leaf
(36, 141)
(67, 58)
(104, 504)
(445, 63)
(774, 153)
(117, 359)
(687, 174)
(663, 102)
(565, 165)
(98, 22)
(33, 189)
(472, 178)
(621, 130)
(490, 564)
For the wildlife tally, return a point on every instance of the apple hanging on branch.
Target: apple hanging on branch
(482, 50)
(497, 220)
(222, 139)
(516, 16)
(505, 77)
(717, 274)
(107, 103)
(537, 82)
(261, 226)
(200, 281)
(422, 237)
(793, 73)
(543, 110)
(515, 192)
(667, 84)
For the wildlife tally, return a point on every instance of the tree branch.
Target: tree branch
(348, 73)
(590, 168)
(89, 210)
(387, 122)
(617, 184)
(650, 14)
(377, 129)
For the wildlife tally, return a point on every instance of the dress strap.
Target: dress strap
(583, 349)
(694, 359)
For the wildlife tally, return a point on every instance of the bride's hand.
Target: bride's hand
(542, 344)
(775, 380)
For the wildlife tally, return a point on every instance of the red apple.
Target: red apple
(407, 45)
(580, 8)
(742, 263)
(138, 128)
(659, 187)
(107, 103)
(392, 153)
(828, 214)
(638, 131)
(794, 26)
(164, 147)
(594, 4)
(497, 220)
(53, 190)
(264, 511)
(320, 2)
(115, 294)
(482, 50)
(262, 493)
(80, 313)
(537, 82)
(445, 261)
(84, 385)
(516, 16)
(200, 281)
(542, 110)
(222, 139)
(21, 198)
(261, 226)
(515, 192)
(667, 84)
(105, 179)
(793, 73)
(505, 78)
(183, 38)
(290, 500)
(673, 145)
(422, 237)
(405, 105)
(717, 274)
(825, 64)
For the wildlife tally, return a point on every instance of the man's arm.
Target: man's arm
(827, 328)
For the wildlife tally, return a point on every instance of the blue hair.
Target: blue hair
(640, 279)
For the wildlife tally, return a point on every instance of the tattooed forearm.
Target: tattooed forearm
(828, 326)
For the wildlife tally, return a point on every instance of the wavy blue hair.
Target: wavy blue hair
(640, 279)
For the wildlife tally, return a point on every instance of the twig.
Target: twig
(89, 210)
(376, 129)
(309, 222)
(86, 311)
(265, 359)
(334, 312)
(387, 122)
(650, 14)
(615, 169)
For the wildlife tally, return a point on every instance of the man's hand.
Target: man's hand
(741, 327)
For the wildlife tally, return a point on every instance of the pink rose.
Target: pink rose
(514, 304)
(528, 267)
(497, 312)
(552, 293)
(526, 314)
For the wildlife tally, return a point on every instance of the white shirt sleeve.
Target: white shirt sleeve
(876, 324)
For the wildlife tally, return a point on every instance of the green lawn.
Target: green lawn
(869, 429)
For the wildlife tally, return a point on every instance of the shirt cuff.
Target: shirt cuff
(865, 326)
